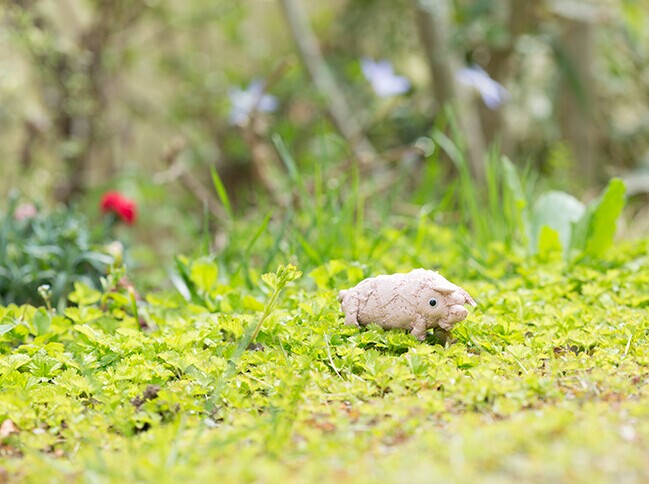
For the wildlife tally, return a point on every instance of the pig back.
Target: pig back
(386, 302)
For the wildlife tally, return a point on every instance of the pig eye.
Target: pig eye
(433, 302)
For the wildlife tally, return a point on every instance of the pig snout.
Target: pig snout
(456, 313)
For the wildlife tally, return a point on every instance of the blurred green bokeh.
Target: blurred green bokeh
(140, 95)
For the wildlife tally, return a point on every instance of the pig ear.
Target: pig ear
(444, 287)
(469, 299)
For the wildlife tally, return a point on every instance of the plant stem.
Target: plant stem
(131, 295)
(266, 313)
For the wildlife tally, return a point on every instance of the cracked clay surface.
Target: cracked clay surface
(417, 301)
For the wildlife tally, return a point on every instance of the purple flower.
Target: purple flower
(492, 93)
(244, 102)
(383, 79)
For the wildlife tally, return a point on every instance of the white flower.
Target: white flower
(383, 79)
(492, 93)
(245, 101)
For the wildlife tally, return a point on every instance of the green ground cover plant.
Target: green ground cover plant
(248, 377)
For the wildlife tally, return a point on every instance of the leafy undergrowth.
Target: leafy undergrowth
(547, 379)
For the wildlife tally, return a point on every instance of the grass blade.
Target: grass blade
(221, 192)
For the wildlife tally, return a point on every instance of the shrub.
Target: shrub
(55, 249)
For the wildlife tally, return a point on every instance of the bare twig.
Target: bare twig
(203, 194)
(261, 154)
(309, 50)
(274, 77)
(178, 171)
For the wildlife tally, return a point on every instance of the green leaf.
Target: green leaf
(515, 187)
(44, 366)
(221, 192)
(597, 227)
(250, 303)
(183, 282)
(13, 362)
(5, 328)
(121, 300)
(42, 321)
(286, 274)
(258, 232)
(93, 335)
(559, 211)
(82, 314)
(286, 158)
(321, 276)
(83, 295)
(204, 273)
(549, 241)
(270, 279)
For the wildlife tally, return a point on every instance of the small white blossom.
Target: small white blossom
(492, 93)
(245, 101)
(383, 79)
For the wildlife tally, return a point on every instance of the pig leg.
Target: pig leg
(443, 336)
(419, 329)
(350, 307)
(350, 320)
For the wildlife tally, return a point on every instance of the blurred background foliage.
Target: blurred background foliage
(159, 98)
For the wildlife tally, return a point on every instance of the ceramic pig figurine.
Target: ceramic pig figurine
(417, 301)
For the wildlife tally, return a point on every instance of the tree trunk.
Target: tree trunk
(575, 98)
(309, 50)
(433, 19)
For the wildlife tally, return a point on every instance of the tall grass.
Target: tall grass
(495, 210)
(332, 215)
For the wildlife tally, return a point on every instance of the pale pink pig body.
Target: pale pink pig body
(417, 301)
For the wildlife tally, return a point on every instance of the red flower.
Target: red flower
(124, 208)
